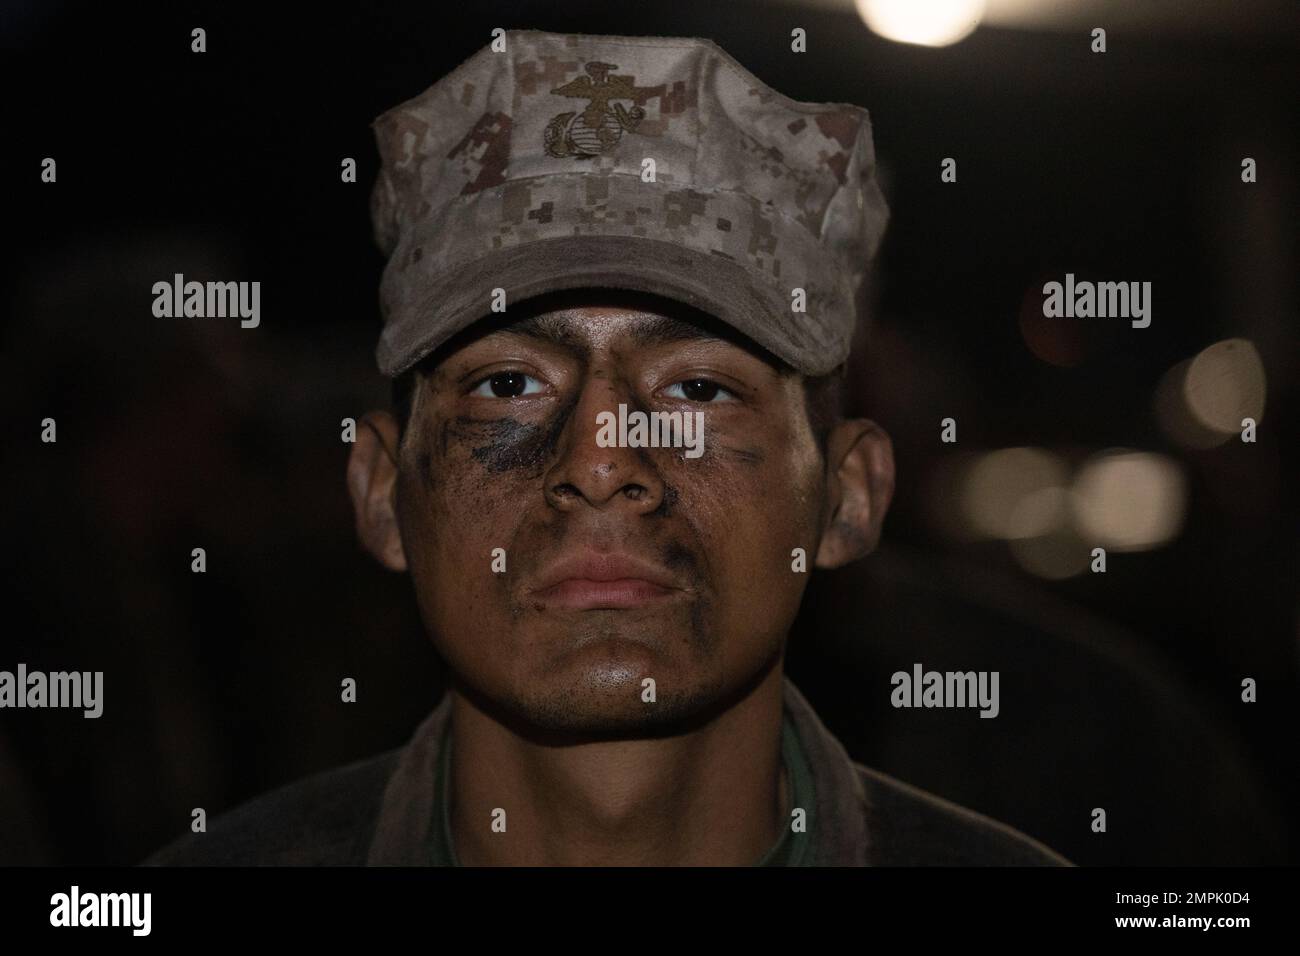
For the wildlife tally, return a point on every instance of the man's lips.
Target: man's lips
(594, 579)
(579, 594)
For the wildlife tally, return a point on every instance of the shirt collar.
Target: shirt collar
(412, 829)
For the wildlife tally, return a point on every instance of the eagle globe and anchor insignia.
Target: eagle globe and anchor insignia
(600, 126)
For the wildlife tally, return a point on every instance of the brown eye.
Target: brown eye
(698, 390)
(507, 385)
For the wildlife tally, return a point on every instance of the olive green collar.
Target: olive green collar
(792, 849)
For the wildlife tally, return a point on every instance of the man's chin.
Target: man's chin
(606, 715)
(619, 684)
(613, 687)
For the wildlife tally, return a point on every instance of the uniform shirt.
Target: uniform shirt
(391, 810)
(789, 850)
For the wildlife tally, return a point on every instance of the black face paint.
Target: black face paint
(702, 639)
(854, 537)
(666, 503)
(677, 558)
(424, 463)
(512, 444)
(746, 456)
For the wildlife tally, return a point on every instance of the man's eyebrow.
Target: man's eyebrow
(548, 327)
(662, 328)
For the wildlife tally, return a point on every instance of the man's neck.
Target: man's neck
(715, 796)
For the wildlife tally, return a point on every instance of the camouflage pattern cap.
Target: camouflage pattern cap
(655, 164)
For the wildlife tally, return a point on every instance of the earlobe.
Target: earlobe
(860, 486)
(372, 476)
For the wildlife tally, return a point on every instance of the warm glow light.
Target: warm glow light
(1015, 493)
(1176, 418)
(1224, 384)
(1128, 500)
(1054, 556)
(924, 22)
(1038, 513)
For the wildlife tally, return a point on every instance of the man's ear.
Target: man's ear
(372, 478)
(860, 485)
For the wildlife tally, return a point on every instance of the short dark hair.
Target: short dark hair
(403, 396)
(823, 397)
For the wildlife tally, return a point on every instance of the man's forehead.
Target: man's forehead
(592, 325)
(583, 320)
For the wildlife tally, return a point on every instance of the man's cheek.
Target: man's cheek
(477, 547)
(754, 511)
(741, 472)
(458, 534)
(454, 489)
(466, 606)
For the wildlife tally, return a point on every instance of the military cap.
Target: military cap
(656, 164)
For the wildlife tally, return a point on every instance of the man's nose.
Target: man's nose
(585, 474)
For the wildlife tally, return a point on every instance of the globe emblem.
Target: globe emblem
(601, 125)
(571, 134)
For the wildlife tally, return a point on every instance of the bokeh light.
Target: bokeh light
(1009, 493)
(1224, 384)
(1200, 402)
(922, 22)
(1055, 556)
(1129, 500)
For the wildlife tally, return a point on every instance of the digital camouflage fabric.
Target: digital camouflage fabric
(653, 164)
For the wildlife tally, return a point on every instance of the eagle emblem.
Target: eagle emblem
(589, 132)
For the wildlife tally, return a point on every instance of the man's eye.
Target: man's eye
(507, 385)
(699, 390)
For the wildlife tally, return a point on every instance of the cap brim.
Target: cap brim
(445, 304)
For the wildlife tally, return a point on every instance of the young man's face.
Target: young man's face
(621, 563)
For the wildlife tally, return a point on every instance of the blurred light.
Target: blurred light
(1225, 384)
(1128, 500)
(924, 22)
(1175, 418)
(1063, 344)
(1055, 556)
(1038, 513)
(1008, 493)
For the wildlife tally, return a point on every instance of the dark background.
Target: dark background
(1119, 690)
